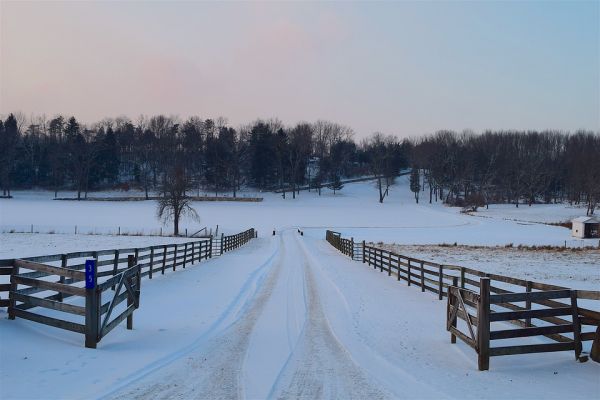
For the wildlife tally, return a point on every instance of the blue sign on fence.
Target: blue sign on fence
(90, 271)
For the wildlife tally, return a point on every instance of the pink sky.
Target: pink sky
(400, 68)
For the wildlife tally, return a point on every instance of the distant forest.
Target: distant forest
(464, 169)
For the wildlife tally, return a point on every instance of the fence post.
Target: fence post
(138, 288)
(175, 258)
(462, 277)
(373, 252)
(92, 304)
(63, 264)
(441, 283)
(13, 288)
(528, 286)
(595, 350)
(184, 254)
(363, 251)
(422, 277)
(352, 247)
(408, 272)
(130, 263)
(451, 304)
(576, 324)
(164, 259)
(483, 325)
(210, 246)
(151, 262)
(115, 265)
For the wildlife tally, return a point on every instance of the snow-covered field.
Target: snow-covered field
(579, 269)
(35, 244)
(544, 213)
(355, 212)
(287, 316)
(282, 317)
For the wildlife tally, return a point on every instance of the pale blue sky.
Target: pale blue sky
(404, 68)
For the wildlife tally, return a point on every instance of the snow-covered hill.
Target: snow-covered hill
(355, 211)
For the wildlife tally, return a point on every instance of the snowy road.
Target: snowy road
(284, 316)
(317, 364)
(320, 366)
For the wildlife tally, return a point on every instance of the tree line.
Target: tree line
(463, 169)
(61, 153)
(515, 167)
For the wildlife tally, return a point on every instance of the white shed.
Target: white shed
(585, 227)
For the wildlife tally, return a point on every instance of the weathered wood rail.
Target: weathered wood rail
(86, 278)
(478, 314)
(346, 246)
(522, 298)
(232, 242)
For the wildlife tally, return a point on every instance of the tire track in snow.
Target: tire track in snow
(280, 326)
(320, 366)
(212, 370)
(389, 371)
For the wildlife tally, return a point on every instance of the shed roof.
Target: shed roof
(588, 220)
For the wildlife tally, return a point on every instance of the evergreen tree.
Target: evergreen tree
(415, 183)
(262, 149)
(56, 154)
(9, 139)
(108, 158)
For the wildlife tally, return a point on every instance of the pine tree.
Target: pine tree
(9, 139)
(415, 183)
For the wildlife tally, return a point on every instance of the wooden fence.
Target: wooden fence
(6, 268)
(232, 242)
(478, 314)
(439, 278)
(43, 283)
(346, 246)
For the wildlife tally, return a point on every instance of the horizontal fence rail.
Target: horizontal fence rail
(478, 314)
(89, 278)
(232, 242)
(512, 300)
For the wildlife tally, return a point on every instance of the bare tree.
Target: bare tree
(383, 159)
(173, 202)
(300, 139)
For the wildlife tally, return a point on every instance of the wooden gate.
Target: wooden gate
(476, 310)
(87, 303)
(42, 283)
(126, 286)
